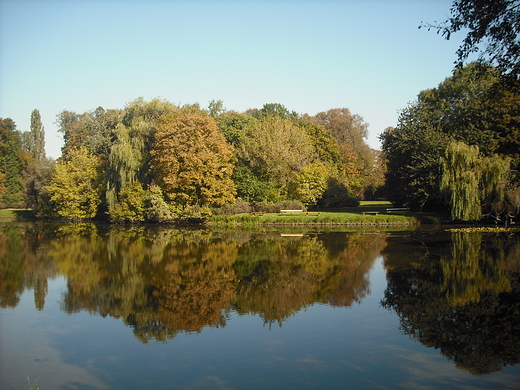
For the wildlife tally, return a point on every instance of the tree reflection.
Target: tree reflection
(165, 281)
(463, 298)
(23, 264)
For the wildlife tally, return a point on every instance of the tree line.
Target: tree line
(157, 161)
(457, 147)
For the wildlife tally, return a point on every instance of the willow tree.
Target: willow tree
(494, 182)
(192, 162)
(128, 167)
(460, 181)
(472, 183)
(124, 162)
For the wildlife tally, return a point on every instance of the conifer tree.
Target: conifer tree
(37, 137)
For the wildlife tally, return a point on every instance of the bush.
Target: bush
(239, 207)
(195, 213)
(157, 209)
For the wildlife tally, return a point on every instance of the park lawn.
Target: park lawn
(13, 214)
(345, 216)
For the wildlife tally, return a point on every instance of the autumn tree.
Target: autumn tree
(350, 131)
(128, 161)
(92, 130)
(76, 186)
(192, 162)
(276, 149)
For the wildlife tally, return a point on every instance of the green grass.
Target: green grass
(344, 216)
(13, 214)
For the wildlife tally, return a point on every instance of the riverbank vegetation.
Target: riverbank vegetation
(455, 149)
(156, 161)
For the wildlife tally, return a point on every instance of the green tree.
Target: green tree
(216, 108)
(192, 162)
(310, 183)
(129, 153)
(273, 110)
(131, 206)
(492, 29)
(460, 181)
(474, 185)
(462, 108)
(233, 125)
(37, 136)
(37, 176)
(12, 163)
(76, 186)
(275, 150)
(250, 188)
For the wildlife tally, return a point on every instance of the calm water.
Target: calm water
(93, 307)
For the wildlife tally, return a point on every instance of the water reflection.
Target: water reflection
(162, 281)
(459, 293)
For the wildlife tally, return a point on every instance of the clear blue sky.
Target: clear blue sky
(311, 56)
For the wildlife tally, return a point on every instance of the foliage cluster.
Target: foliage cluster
(457, 147)
(157, 161)
(492, 29)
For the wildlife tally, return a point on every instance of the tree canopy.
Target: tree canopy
(192, 162)
(492, 30)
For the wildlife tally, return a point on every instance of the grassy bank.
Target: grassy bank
(344, 216)
(15, 214)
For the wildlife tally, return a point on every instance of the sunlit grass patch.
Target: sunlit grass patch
(313, 218)
(12, 214)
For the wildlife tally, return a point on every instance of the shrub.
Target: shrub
(157, 209)
(238, 207)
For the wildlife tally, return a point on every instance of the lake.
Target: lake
(85, 306)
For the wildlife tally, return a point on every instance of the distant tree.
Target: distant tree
(12, 163)
(350, 131)
(326, 146)
(92, 130)
(233, 125)
(37, 176)
(276, 149)
(76, 185)
(192, 162)
(37, 136)
(216, 108)
(273, 110)
(492, 29)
